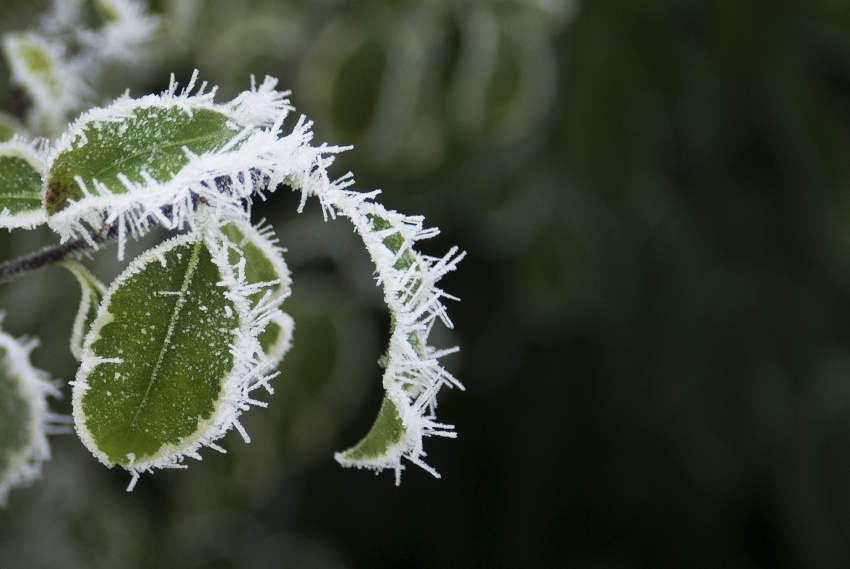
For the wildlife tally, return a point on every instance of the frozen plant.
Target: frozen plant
(172, 351)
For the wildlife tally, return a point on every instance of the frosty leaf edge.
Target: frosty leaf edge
(252, 157)
(413, 375)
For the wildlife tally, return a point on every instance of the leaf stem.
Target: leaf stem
(14, 268)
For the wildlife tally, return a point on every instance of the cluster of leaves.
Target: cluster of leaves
(172, 350)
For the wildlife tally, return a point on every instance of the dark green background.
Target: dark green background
(654, 324)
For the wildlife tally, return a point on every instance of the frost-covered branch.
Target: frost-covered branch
(51, 254)
(172, 350)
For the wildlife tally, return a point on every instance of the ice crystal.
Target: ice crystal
(257, 158)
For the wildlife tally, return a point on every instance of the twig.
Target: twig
(51, 254)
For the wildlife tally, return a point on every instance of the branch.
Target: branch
(51, 254)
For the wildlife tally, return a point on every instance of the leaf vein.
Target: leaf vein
(181, 299)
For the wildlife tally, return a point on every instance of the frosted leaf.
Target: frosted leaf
(413, 375)
(21, 165)
(151, 160)
(264, 264)
(109, 162)
(24, 417)
(173, 355)
(39, 66)
(92, 293)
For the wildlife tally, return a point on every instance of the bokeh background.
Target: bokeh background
(655, 319)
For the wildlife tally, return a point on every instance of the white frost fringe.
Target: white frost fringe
(262, 236)
(259, 150)
(413, 374)
(25, 466)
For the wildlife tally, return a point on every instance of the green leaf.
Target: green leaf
(20, 185)
(23, 416)
(92, 293)
(382, 443)
(412, 375)
(98, 152)
(263, 263)
(152, 385)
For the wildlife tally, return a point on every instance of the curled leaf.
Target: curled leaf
(92, 293)
(172, 357)
(413, 375)
(24, 416)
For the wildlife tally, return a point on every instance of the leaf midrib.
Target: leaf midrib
(181, 298)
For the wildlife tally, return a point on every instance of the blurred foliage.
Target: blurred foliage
(654, 316)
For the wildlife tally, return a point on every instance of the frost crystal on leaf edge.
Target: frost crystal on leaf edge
(258, 152)
(413, 374)
(263, 237)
